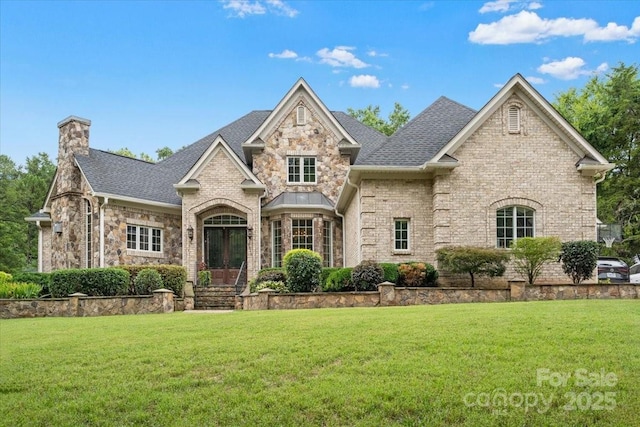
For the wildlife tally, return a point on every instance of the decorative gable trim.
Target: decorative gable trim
(300, 95)
(218, 145)
(528, 96)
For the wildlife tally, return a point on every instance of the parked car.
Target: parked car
(613, 269)
(634, 273)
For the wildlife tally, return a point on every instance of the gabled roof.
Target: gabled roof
(421, 138)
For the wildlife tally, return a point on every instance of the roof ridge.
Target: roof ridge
(121, 156)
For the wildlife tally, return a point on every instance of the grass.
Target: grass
(378, 366)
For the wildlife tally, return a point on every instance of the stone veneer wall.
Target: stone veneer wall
(533, 168)
(389, 295)
(79, 305)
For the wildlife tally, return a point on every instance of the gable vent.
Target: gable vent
(514, 119)
(301, 116)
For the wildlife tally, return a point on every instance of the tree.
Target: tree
(370, 116)
(163, 153)
(531, 253)
(473, 261)
(607, 113)
(128, 153)
(579, 259)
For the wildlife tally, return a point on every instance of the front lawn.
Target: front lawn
(513, 364)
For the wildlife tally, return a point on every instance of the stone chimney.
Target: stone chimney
(74, 139)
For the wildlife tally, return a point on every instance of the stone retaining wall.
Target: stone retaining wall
(80, 305)
(390, 295)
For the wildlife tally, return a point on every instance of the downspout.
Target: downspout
(344, 226)
(40, 247)
(101, 244)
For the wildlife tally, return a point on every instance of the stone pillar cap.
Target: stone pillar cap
(74, 119)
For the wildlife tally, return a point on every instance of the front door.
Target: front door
(226, 250)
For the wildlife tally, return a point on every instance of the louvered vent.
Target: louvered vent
(514, 119)
(302, 116)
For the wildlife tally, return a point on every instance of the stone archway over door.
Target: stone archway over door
(225, 247)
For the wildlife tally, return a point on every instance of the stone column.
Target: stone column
(387, 293)
(518, 290)
(163, 298)
(74, 304)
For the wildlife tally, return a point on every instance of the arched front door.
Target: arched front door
(225, 246)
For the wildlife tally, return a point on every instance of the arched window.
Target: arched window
(512, 223)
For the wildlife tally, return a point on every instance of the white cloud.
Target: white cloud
(242, 8)
(364, 80)
(374, 53)
(496, 6)
(405, 86)
(534, 5)
(528, 27)
(285, 54)
(340, 56)
(536, 80)
(570, 68)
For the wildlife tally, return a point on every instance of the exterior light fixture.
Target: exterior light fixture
(57, 228)
(190, 232)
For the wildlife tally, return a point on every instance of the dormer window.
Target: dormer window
(301, 116)
(514, 119)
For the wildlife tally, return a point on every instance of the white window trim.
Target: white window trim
(324, 237)
(313, 240)
(301, 170)
(395, 223)
(273, 244)
(144, 252)
(514, 227)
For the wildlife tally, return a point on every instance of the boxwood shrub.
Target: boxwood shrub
(173, 276)
(304, 268)
(339, 281)
(89, 281)
(147, 280)
(391, 273)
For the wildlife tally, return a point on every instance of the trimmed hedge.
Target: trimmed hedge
(391, 273)
(173, 276)
(89, 281)
(304, 269)
(324, 275)
(339, 280)
(147, 281)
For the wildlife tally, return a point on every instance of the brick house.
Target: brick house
(302, 176)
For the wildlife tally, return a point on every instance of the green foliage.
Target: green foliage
(204, 278)
(579, 259)
(391, 272)
(42, 279)
(147, 280)
(416, 274)
(531, 253)
(89, 281)
(326, 272)
(19, 290)
(304, 268)
(173, 276)
(367, 275)
(273, 274)
(339, 281)
(607, 113)
(5, 277)
(473, 261)
(277, 285)
(22, 192)
(370, 116)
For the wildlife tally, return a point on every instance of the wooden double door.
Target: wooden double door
(225, 251)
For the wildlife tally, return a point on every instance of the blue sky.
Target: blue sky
(155, 74)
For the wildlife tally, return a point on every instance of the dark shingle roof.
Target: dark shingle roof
(419, 140)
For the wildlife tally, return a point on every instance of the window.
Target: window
(301, 118)
(225, 220)
(514, 119)
(276, 244)
(327, 244)
(513, 222)
(401, 240)
(302, 234)
(144, 238)
(88, 231)
(302, 170)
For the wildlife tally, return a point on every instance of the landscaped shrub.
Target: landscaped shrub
(276, 285)
(304, 268)
(173, 276)
(530, 254)
(5, 277)
(273, 274)
(148, 280)
(339, 281)
(326, 271)
(204, 278)
(42, 279)
(391, 273)
(473, 261)
(89, 281)
(19, 290)
(416, 274)
(366, 276)
(579, 259)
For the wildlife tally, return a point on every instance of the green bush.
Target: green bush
(173, 276)
(89, 281)
(147, 280)
(304, 268)
(579, 259)
(42, 279)
(274, 274)
(276, 285)
(416, 274)
(473, 261)
(366, 276)
(391, 273)
(5, 277)
(19, 290)
(530, 254)
(204, 278)
(326, 272)
(339, 281)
